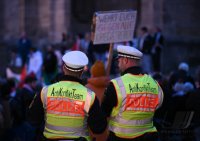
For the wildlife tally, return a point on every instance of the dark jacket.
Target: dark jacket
(147, 44)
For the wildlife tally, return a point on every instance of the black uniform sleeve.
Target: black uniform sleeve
(110, 100)
(36, 112)
(97, 121)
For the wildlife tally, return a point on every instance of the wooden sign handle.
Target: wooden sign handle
(110, 56)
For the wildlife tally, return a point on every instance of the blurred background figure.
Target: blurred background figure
(15, 60)
(193, 103)
(7, 93)
(158, 44)
(27, 93)
(97, 52)
(84, 43)
(67, 42)
(19, 104)
(180, 76)
(50, 65)
(35, 62)
(174, 114)
(58, 54)
(24, 45)
(145, 46)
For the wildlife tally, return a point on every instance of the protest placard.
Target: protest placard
(113, 26)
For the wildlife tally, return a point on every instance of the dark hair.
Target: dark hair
(30, 78)
(6, 88)
(34, 49)
(145, 29)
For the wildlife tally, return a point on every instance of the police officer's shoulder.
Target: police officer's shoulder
(90, 92)
(116, 79)
(44, 89)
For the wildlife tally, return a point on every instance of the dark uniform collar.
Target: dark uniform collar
(136, 70)
(70, 78)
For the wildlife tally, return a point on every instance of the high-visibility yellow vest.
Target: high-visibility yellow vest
(66, 104)
(138, 97)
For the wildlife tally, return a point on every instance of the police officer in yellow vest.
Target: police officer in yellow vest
(131, 100)
(69, 107)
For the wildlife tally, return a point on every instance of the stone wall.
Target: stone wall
(181, 22)
(10, 19)
(82, 11)
(1, 19)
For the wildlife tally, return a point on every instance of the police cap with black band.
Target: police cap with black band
(75, 60)
(129, 52)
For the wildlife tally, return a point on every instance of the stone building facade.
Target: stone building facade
(45, 20)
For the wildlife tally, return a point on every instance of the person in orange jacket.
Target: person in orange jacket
(97, 83)
(98, 80)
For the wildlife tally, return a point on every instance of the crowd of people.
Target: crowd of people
(43, 90)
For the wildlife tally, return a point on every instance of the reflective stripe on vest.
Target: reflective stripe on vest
(127, 130)
(63, 128)
(67, 106)
(43, 96)
(137, 101)
(133, 122)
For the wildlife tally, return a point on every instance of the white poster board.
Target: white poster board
(114, 26)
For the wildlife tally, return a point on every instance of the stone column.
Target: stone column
(61, 19)
(54, 18)
(44, 18)
(151, 14)
(147, 13)
(158, 13)
(44, 15)
(21, 16)
(13, 18)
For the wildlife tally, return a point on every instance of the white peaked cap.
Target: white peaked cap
(75, 60)
(129, 52)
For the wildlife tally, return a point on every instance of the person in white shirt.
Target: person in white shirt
(35, 62)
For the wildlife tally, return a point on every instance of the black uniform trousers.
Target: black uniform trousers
(77, 139)
(151, 136)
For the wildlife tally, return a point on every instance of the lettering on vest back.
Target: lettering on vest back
(66, 93)
(141, 88)
(141, 102)
(65, 106)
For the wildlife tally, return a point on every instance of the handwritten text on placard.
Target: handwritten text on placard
(114, 27)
